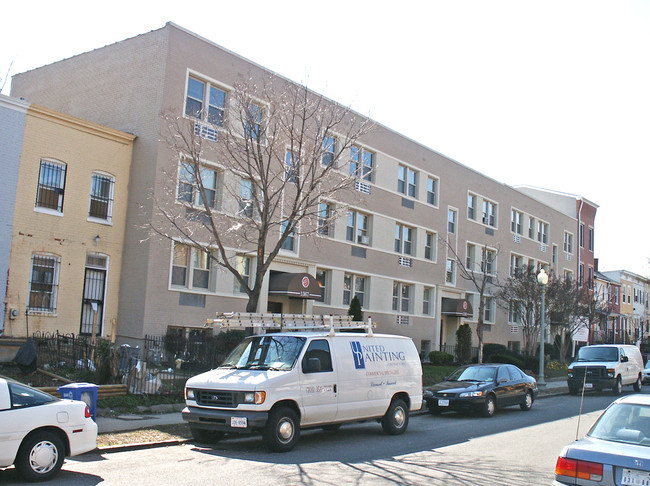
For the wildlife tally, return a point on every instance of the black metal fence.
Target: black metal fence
(453, 350)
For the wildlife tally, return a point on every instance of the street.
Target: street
(512, 448)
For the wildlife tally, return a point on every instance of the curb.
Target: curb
(140, 446)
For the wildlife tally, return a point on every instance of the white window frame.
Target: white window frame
(356, 233)
(404, 238)
(56, 167)
(54, 284)
(357, 287)
(430, 245)
(407, 181)
(195, 193)
(516, 222)
(203, 114)
(191, 268)
(490, 211)
(402, 297)
(433, 184)
(105, 199)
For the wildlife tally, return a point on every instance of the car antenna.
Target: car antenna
(582, 399)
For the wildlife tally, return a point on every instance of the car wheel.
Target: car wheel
(206, 436)
(618, 386)
(638, 384)
(282, 430)
(527, 404)
(490, 406)
(40, 456)
(396, 419)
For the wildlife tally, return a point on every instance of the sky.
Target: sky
(553, 94)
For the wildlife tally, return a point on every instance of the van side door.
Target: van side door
(318, 384)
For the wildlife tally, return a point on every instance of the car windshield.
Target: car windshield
(474, 373)
(624, 422)
(265, 353)
(597, 353)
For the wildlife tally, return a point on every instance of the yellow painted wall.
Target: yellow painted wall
(84, 147)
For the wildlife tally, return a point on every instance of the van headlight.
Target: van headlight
(610, 373)
(255, 397)
(189, 394)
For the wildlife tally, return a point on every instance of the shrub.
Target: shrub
(440, 358)
(490, 349)
(355, 310)
(464, 343)
(509, 359)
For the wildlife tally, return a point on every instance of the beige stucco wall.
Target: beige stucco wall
(84, 147)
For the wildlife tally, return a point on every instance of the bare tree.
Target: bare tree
(481, 275)
(520, 296)
(283, 168)
(564, 297)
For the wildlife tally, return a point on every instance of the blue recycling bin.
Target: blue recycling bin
(85, 392)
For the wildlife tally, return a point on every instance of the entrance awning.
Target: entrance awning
(295, 285)
(456, 307)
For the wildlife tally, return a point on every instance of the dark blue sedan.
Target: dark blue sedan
(482, 388)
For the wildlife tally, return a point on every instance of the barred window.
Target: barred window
(51, 185)
(101, 197)
(44, 282)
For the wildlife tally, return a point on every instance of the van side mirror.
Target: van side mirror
(312, 365)
(625, 359)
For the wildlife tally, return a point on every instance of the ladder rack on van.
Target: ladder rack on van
(289, 322)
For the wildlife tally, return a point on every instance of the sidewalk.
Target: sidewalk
(160, 415)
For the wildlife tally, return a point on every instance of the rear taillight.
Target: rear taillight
(579, 469)
(87, 413)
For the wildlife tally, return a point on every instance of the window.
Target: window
(356, 284)
(290, 243)
(361, 163)
(432, 191)
(554, 254)
(471, 207)
(192, 268)
(357, 228)
(581, 236)
(44, 283)
(51, 185)
(406, 181)
(531, 228)
(591, 239)
(516, 219)
(319, 351)
(542, 232)
(403, 239)
(581, 275)
(470, 257)
(244, 268)
(568, 242)
(451, 221)
(101, 197)
(329, 150)
(200, 94)
(450, 274)
(253, 118)
(489, 263)
(489, 213)
(246, 207)
(430, 246)
(427, 296)
(516, 264)
(323, 278)
(488, 309)
(189, 185)
(290, 167)
(402, 297)
(324, 219)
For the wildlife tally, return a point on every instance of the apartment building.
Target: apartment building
(635, 303)
(67, 222)
(416, 216)
(607, 293)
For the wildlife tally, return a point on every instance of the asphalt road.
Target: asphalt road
(512, 448)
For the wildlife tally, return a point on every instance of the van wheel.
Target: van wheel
(527, 404)
(638, 384)
(40, 456)
(282, 430)
(396, 419)
(490, 406)
(206, 436)
(618, 386)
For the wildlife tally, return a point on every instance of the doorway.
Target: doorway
(92, 304)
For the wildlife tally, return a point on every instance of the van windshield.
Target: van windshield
(597, 353)
(265, 353)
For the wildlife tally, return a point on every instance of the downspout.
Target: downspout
(580, 255)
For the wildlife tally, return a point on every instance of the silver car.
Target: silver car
(646, 373)
(615, 451)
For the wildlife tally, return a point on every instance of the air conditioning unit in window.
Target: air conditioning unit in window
(364, 240)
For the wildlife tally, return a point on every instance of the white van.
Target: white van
(606, 366)
(279, 383)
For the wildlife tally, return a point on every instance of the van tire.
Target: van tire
(638, 384)
(282, 430)
(617, 389)
(396, 419)
(206, 436)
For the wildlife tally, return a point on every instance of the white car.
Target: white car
(37, 430)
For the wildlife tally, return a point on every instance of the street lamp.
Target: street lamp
(542, 279)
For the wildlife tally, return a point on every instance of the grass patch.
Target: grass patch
(432, 374)
(130, 403)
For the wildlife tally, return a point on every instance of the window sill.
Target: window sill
(43, 313)
(51, 212)
(106, 222)
(191, 291)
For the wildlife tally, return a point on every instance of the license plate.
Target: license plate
(443, 403)
(239, 422)
(635, 477)
(589, 386)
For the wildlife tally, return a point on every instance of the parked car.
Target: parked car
(616, 450)
(606, 366)
(37, 430)
(646, 373)
(482, 388)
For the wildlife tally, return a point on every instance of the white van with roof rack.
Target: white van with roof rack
(309, 374)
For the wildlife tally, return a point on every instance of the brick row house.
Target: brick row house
(416, 213)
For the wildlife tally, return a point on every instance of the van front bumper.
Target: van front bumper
(591, 383)
(223, 420)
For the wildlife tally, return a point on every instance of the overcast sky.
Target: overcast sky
(554, 94)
